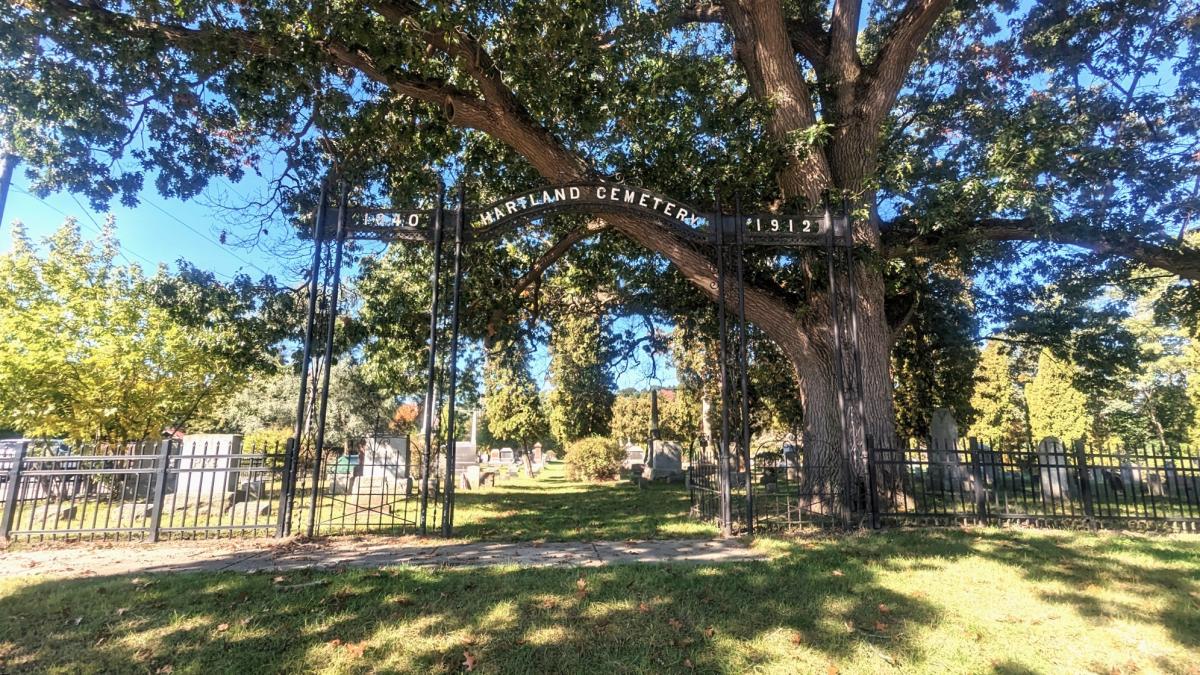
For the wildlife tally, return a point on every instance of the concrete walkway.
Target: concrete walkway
(274, 555)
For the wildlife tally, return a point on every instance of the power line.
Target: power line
(122, 249)
(206, 237)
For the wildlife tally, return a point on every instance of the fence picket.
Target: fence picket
(162, 462)
(14, 490)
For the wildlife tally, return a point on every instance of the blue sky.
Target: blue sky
(157, 230)
(162, 230)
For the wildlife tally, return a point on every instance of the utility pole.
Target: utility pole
(8, 162)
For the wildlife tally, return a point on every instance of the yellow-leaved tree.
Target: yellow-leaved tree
(1056, 407)
(87, 352)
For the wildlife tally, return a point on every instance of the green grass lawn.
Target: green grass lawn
(937, 601)
(552, 508)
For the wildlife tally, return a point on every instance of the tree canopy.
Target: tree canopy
(91, 352)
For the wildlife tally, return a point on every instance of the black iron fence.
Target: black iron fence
(792, 488)
(170, 489)
(1064, 484)
(924, 482)
(781, 489)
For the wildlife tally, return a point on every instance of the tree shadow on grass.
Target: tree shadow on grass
(1083, 562)
(620, 618)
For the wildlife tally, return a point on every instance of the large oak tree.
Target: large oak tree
(1056, 139)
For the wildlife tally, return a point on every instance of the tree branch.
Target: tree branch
(763, 47)
(886, 74)
(1181, 261)
(810, 40)
(703, 12)
(557, 251)
(843, 40)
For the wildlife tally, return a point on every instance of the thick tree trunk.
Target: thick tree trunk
(528, 454)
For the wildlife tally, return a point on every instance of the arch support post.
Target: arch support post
(331, 324)
(430, 411)
(451, 427)
(291, 462)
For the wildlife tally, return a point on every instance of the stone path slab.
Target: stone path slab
(273, 555)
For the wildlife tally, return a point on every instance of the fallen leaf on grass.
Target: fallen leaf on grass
(335, 642)
(709, 632)
(356, 649)
(643, 608)
(884, 609)
(675, 623)
(687, 663)
(682, 643)
(121, 611)
(881, 626)
(831, 670)
(165, 670)
(797, 639)
(469, 661)
(222, 627)
(838, 573)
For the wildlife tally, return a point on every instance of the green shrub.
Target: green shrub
(266, 440)
(593, 458)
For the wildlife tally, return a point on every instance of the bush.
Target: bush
(268, 440)
(593, 458)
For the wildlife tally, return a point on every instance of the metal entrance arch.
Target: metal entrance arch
(721, 479)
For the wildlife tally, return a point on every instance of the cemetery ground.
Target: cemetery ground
(954, 600)
(951, 600)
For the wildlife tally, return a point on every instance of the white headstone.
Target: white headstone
(208, 467)
(385, 465)
(634, 456)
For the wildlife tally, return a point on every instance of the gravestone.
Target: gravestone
(386, 467)
(466, 468)
(538, 459)
(1053, 474)
(1154, 484)
(990, 462)
(1127, 474)
(635, 458)
(344, 472)
(666, 461)
(208, 467)
(944, 466)
(506, 456)
(1174, 484)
